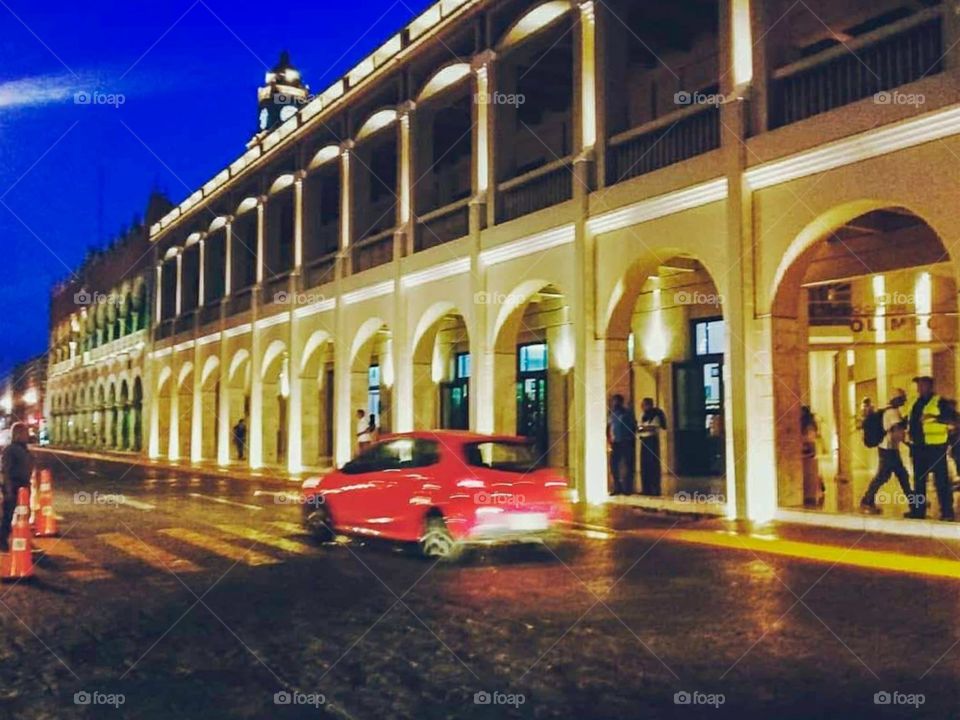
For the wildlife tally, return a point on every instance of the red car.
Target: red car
(441, 489)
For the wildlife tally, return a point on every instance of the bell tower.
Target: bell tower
(281, 95)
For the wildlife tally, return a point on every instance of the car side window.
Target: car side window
(372, 459)
(425, 453)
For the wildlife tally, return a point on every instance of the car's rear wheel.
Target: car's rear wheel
(319, 523)
(437, 543)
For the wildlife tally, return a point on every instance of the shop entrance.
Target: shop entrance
(532, 393)
(455, 396)
(698, 398)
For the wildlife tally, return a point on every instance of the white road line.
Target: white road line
(136, 504)
(224, 501)
(281, 498)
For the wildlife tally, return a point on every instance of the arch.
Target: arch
(239, 358)
(171, 252)
(513, 304)
(430, 317)
(281, 183)
(365, 333)
(274, 351)
(378, 121)
(245, 205)
(824, 225)
(446, 77)
(185, 371)
(323, 156)
(217, 223)
(534, 21)
(210, 366)
(162, 377)
(314, 343)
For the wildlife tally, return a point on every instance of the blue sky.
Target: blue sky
(72, 175)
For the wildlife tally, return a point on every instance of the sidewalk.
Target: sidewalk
(937, 557)
(235, 471)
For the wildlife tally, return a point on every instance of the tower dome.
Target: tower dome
(282, 94)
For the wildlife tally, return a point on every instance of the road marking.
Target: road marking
(150, 554)
(813, 552)
(136, 504)
(290, 546)
(220, 547)
(289, 527)
(58, 548)
(89, 574)
(224, 501)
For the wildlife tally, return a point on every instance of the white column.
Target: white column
(298, 221)
(346, 203)
(588, 75)
(179, 296)
(158, 295)
(295, 399)
(201, 273)
(255, 434)
(261, 232)
(228, 254)
(225, 426)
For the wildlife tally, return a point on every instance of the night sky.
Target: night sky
(73, 175)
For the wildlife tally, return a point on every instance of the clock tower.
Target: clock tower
(282, 94)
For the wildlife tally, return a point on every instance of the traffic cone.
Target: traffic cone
(45, 519)
(18, 563)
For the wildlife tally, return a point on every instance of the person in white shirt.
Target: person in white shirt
(894, 428)
(364, 436)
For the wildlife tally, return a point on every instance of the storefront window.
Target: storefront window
(709, 336)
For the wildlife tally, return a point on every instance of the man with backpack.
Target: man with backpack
(884, 429)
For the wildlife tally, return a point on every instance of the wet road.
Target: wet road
(171, 596)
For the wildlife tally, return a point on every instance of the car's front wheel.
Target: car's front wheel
(319, 523)
(437, 543)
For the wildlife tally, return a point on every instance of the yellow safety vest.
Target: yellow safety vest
(934, 431)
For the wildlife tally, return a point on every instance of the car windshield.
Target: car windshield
(504, 455)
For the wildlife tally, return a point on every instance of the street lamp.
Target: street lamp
(30, 396)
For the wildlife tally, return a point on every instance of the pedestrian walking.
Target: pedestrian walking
(622, 438)
(240, 436)
(652, 421)
(929, 434)
(17, 464)
(893, 428)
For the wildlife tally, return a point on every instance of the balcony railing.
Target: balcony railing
(185, 322)
(276, 288)
(443, 225)
(164, 329)
(374, 251)
(210, 312)
(240, 301)
(878, 61)
(377, 218)
(544, 187)
(121, 344)
(668, 140)
(320, 271)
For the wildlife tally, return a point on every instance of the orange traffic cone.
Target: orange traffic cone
(45, 519)
(18, 563)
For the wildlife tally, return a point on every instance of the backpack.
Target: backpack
(873, 431)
